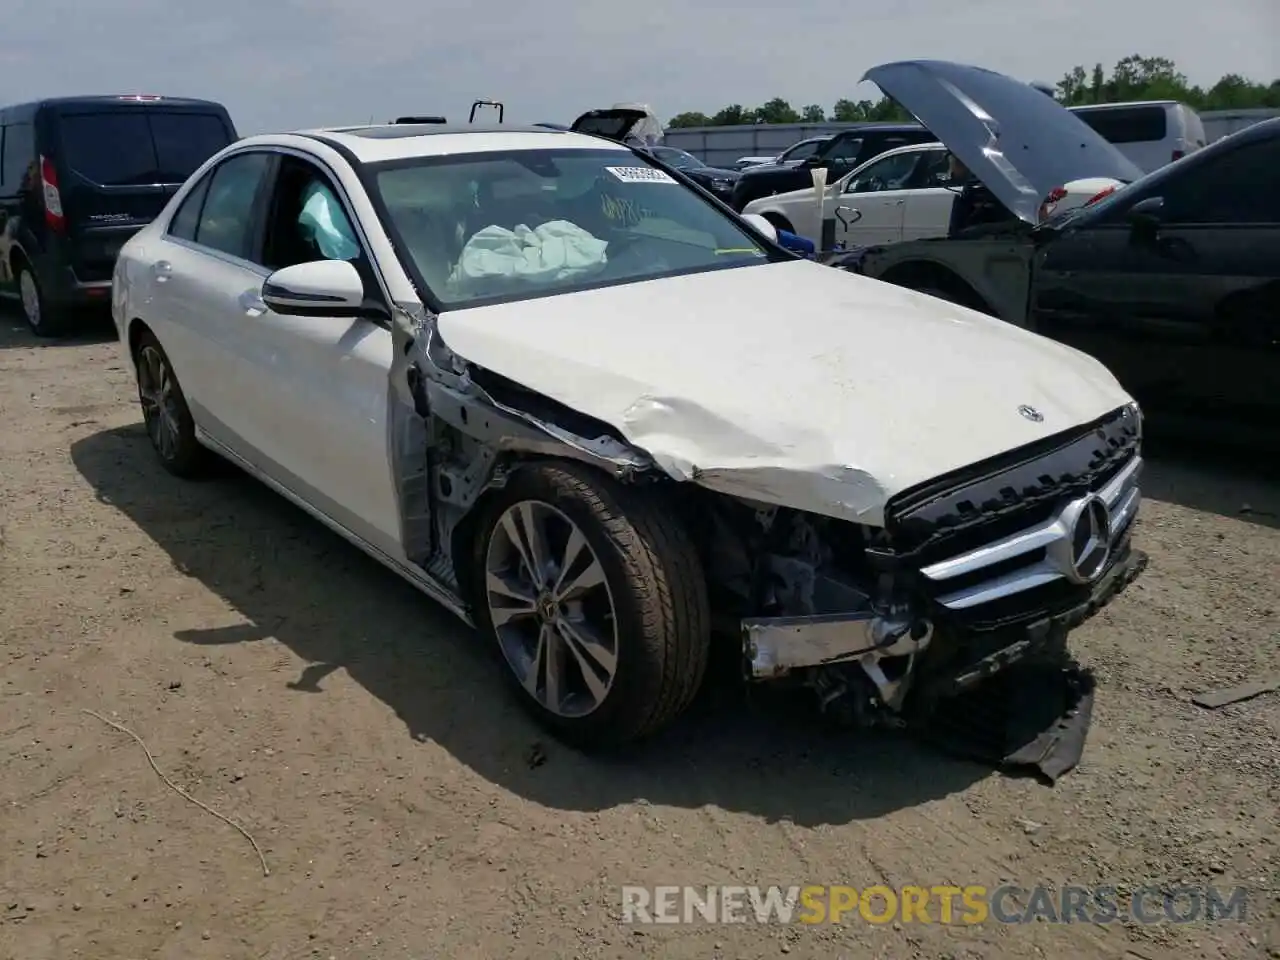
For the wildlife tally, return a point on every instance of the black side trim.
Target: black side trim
(275, 290)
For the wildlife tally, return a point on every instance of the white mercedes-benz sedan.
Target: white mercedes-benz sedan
(603, 419)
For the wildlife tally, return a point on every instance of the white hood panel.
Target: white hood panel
(791, 383)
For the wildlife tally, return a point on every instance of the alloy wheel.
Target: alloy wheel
(551, 607)
(156, 391)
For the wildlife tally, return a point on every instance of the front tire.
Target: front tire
(596, 599)
(165, 413)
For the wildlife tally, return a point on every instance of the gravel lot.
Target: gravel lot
(364, 741)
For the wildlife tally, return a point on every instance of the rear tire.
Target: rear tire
(605, 634)
(165, 413)
(43, 320)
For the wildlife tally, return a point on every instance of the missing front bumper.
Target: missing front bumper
(775, 646)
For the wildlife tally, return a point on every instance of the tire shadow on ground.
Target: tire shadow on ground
(290, 578)
(91, 327)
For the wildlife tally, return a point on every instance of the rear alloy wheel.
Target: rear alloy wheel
(597, 602)
(165, 413)
(43, 320)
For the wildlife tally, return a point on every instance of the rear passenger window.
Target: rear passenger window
(187, 219)
(845, 150)
(226, 220)
(1127, 124)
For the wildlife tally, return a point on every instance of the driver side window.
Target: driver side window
(934, 170)
(307, 220)
(887, 174)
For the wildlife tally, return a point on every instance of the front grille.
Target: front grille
(1023, 537)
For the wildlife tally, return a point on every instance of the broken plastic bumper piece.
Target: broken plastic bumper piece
(775, 646)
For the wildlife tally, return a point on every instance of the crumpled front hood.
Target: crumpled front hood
(1013, 138)
(790, 383)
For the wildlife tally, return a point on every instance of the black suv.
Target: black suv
(78, 177)
(842, 153)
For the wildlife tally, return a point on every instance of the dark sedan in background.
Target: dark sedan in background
(715, 179)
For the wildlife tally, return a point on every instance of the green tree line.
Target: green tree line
(1133, 78)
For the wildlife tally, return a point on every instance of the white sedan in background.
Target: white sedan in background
(555, 388)
(903, 194)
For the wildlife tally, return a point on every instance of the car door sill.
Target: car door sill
(420, 579)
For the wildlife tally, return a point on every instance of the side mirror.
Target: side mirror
(762, 225)
(325, 287)
(1146, 215)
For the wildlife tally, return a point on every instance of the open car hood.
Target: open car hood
(1020, 143)
(620, 122)
(831, 401)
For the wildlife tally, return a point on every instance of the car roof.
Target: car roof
(393, 141)
(106, 99)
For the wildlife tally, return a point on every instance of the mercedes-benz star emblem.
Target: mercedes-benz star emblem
(1031, 413)
(1090, 540)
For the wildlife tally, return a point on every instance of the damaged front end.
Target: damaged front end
(975, 577)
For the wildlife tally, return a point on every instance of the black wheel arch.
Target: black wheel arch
(930, 275)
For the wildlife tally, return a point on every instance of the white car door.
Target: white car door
(316, 387)
(871, 207)
(304, 399)
(202, 259)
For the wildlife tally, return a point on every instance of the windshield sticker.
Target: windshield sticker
(640, 175)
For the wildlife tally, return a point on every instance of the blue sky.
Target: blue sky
(285, 64)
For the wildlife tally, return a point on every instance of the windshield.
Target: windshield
(490, 227)
(677, 158)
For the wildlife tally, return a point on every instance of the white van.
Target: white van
(1150, 133)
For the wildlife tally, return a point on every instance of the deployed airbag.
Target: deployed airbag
(554, 251)
(323, 221)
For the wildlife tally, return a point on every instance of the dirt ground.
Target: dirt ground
(365, 742)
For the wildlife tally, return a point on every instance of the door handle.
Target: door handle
(898, 203)
(252, 303)
(162, 270)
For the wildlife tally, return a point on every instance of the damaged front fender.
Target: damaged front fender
(692, 443)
